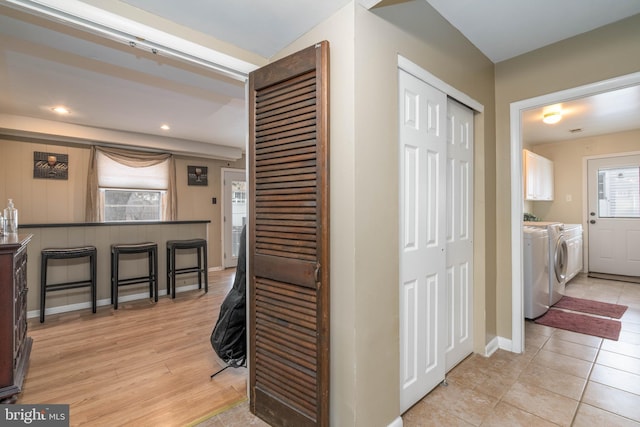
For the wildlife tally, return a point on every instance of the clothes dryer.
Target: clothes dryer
(535, 271)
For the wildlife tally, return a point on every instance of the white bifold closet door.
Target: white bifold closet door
(436, 248)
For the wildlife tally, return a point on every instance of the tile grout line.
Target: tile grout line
(586, 384)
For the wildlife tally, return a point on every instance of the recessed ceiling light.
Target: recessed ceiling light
(60, 109)
(165, 127)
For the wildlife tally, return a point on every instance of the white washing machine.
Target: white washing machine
(557, 258)
(535, 271)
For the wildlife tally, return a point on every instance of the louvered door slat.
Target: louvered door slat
(305, 143)
(288, 240)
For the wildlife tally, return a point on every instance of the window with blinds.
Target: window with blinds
(132, 193)
(619, 192)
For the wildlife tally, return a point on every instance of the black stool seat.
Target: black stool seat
(200, 245)
(151, 249)
(67, 253)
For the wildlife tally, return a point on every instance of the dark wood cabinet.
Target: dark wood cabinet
(15, 345)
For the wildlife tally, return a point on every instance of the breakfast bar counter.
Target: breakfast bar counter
(102, 236)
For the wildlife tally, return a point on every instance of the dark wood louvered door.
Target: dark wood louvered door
(289, 239)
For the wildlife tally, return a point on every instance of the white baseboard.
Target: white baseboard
(396, 423)
(219, 268)
(492, 347)
(106, 301)
(505, 344)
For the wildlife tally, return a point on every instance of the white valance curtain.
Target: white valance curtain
(118, 168)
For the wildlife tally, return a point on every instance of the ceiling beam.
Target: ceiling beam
(135, 34)
(28, 127)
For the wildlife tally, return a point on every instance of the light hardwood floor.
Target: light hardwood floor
(144, 364)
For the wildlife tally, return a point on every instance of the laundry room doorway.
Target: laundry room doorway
(517, 110)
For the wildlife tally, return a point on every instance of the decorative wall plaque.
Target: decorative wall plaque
(197, 175)
(50, 165)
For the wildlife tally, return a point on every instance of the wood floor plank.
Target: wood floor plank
(143, 364)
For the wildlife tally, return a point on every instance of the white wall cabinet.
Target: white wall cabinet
(538, 177)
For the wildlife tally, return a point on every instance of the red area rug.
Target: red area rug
(592, 307)
(582, 323)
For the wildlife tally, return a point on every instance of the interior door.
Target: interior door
(289, 239)
(614, 215)
(422, 238)
(459, 233)
(235, 213)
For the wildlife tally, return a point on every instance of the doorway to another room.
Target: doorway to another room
(517, 110)
(234, 188)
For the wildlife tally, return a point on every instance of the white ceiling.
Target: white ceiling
(112, 86)
(503, 29)
(609, 112)
(264, 27)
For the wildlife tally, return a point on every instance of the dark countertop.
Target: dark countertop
(110, 224)
(14, 241)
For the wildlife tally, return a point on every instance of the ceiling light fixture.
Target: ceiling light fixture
(552, 117)
(165, 127)
(60, 110)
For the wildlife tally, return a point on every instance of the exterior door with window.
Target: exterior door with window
(235, 213)
(614, 215)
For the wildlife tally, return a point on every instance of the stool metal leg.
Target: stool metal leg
(43, 286)
(199, 252)
(150, 263)
(206, 268)
(112, 283)
(168, 275)
(173, 273)
(92, 269)
(116, 258)
(155, 273)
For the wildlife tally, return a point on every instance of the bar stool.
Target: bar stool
(151, 249)
(200, 245)
(67, 253)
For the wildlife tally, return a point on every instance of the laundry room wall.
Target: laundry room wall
(567, 157)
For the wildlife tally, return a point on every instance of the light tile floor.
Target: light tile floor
(562, 378)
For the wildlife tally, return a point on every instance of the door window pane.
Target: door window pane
(238, 213)
(619, 192)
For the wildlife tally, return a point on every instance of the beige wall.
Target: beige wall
(568, 164)
(364, 191)
(598, 55)
(44, 201)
